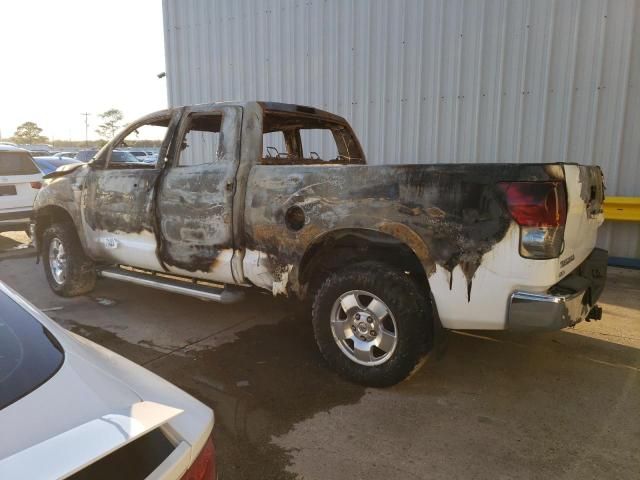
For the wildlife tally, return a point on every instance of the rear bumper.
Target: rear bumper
(566, 303)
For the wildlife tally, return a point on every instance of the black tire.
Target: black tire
(408, 305)
(80, 273)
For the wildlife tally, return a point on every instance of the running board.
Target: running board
(174, 284)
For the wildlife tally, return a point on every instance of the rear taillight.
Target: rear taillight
(536, 204)
(36, 185)
(204, 467)
(540, 208)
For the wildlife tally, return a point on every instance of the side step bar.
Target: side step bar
(174, 284)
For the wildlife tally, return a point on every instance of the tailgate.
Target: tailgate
(585, 196)
(16, 192)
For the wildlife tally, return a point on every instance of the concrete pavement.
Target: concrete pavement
(494, 405)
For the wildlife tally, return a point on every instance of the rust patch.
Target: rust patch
(436, 213)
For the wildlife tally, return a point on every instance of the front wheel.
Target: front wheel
(68, 270)
(372, 324)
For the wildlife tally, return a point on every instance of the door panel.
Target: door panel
(195, 200)
(118, 211)
(118, 197)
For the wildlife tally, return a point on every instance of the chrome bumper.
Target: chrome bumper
(565, 304)
(534, 311)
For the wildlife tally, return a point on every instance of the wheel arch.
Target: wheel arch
(50, 215)
(391, 243)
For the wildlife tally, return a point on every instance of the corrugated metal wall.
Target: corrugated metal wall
(433, 81)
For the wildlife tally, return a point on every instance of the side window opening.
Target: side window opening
(318, 143)
(300, 139)
(148, 134)
(273, 145)
(201, 142)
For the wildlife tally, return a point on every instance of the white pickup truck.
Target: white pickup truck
(279, 197)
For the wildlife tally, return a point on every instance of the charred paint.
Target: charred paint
(591, 188)
(194, 213)
(62, 192)
(449, 215)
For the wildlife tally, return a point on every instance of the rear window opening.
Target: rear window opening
(17, 163)
(29, 354)
(299, 139)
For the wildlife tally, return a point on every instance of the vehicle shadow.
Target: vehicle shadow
(260, 385)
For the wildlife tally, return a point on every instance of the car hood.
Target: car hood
(64, 170)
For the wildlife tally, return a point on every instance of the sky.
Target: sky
(61, 58)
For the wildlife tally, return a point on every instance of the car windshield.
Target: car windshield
(29, 354)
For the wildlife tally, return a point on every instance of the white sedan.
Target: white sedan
(72, 409)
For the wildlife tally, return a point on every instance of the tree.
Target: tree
(28, 133)
(111, 123)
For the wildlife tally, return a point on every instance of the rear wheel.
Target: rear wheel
(68, 270)
(372, 323)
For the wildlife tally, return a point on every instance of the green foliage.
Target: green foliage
(110, 123)
(28, 133)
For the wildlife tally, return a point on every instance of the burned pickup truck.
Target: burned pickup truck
(279, 197)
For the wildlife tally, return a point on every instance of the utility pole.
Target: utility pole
(86, 128)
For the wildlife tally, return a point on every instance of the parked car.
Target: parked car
(65, 154)
(39, 149)
(119, 156)
(122, 156)
(51, 164)
(85, 155)
(280, 197)
(140, 154)
(75, 408)
(20, 180)
(143, 156)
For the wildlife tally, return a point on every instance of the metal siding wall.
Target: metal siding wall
(433, 81)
